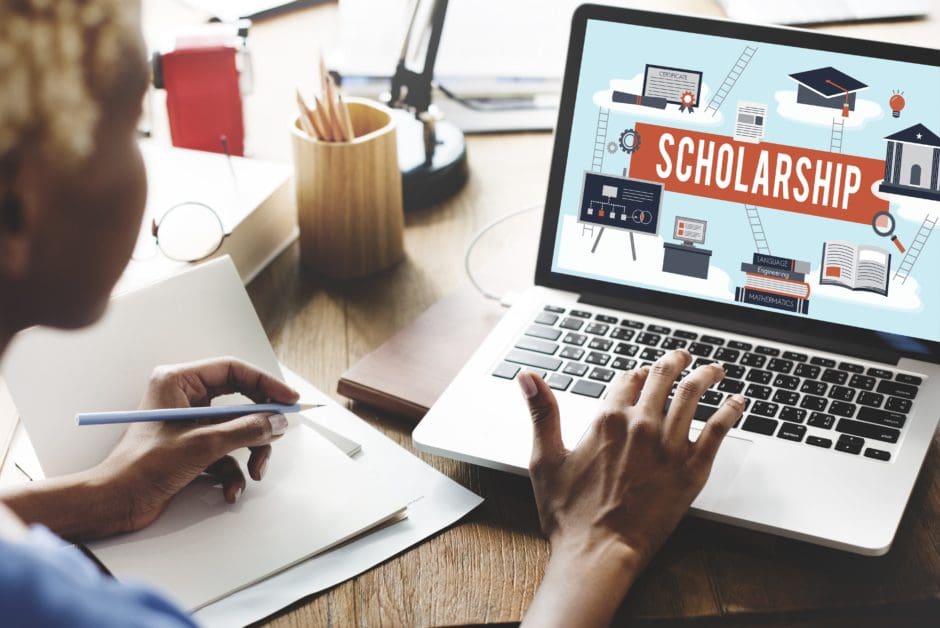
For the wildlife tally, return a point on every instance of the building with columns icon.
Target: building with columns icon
(912, 163)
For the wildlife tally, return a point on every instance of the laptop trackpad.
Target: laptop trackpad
(727, 464)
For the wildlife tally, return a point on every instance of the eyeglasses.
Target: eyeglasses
(187, 232)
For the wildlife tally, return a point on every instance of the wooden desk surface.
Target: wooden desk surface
(487, 568)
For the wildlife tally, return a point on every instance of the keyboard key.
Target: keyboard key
(756, 391)
(580, 313)
(897, 389)
(765, 408)
(763, 350)
(598, 329)
(867, 430)
(602, 375)
(533, 359)
(687, 335)
(571, 323)
(877, 454)
(648, 339)
(626, 322)
(651, 354)
(701, 362)
(873, 400)
(741, 346)
(734, 371)
(712, 398)
(623, 364)
(622, 333)
(787, 382)
(571, 353)
(758, 376)
(554, 309)
(841, 393)
(817, 441)
(541, 331)
(882, 373)
(546, 318)
(814, 388)
(603, 318)
(506, 370)
(796, 357)
(574, 339)
(823, 362)
(658, 329)
(807, 370)
(913, 380)
(623, 348)
(794, 415)
(752, 359)
(840, 408)
(712, 340)
(701, 349)
(881, 417)
(780, 366)
(595, 357)
(558, 381)
(833, 376)
(792, 431)
(821, 420)
(813, 403)
(851, 367)
(849, 444)
(674, 343)
(725, 354)
(862, 381)
(702, 412)
(786, 397)
(731, 385)
(601, 344)
(588, 388)
(576, 369)
(539, 346)
(760, 425)
(896, 404)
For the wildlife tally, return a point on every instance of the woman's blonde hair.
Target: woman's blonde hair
(57, 60)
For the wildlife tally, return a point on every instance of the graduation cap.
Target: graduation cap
(827, 87)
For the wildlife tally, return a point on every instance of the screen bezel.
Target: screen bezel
(824, 335)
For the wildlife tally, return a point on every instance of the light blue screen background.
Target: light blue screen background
(618, 51)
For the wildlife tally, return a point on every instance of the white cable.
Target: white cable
(476, 238)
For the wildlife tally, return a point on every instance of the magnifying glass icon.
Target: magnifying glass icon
(883, 224)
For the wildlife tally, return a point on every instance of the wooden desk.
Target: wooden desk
(487, 568)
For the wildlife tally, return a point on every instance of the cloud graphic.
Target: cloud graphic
(865, 111)
(901, 296)
(604, 98)
(906, 207)
(614, 261)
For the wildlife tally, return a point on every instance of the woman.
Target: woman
(72, 191)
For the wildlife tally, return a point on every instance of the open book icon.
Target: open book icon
(856, 267)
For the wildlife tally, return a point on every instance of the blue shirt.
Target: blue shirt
(46, 582)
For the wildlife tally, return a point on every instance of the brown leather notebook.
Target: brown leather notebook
(407, 374)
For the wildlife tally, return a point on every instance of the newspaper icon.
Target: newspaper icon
(750, 122)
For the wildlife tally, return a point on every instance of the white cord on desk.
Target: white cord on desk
(476, 238)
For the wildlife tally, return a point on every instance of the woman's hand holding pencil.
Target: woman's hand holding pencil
(328, 120)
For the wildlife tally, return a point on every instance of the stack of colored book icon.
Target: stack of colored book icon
(775, 282)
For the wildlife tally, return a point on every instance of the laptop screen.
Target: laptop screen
(798, 181)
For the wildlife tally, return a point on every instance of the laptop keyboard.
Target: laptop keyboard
(793, 395)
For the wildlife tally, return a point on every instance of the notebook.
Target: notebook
(313, 497)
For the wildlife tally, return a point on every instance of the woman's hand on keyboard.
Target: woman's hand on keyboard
(609, 504)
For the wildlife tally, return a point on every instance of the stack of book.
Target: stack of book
(775, 282)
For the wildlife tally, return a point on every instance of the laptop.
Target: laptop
(764, 198)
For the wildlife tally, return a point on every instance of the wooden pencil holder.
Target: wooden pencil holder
(349, 200)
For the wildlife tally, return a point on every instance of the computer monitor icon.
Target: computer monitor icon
(689, 231)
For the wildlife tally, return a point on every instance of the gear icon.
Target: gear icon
(612, 147)
(629, 141)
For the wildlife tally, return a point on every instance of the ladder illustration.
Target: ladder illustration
(597, 163)
(835, 139)
(915, 249)
(728, 84)
(757, 230)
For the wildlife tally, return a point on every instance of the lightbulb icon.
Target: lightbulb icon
(896, 102)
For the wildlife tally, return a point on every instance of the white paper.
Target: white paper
(751, 122)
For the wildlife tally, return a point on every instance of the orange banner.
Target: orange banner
(791, 178)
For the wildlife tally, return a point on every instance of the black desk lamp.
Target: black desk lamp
(432, 153)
